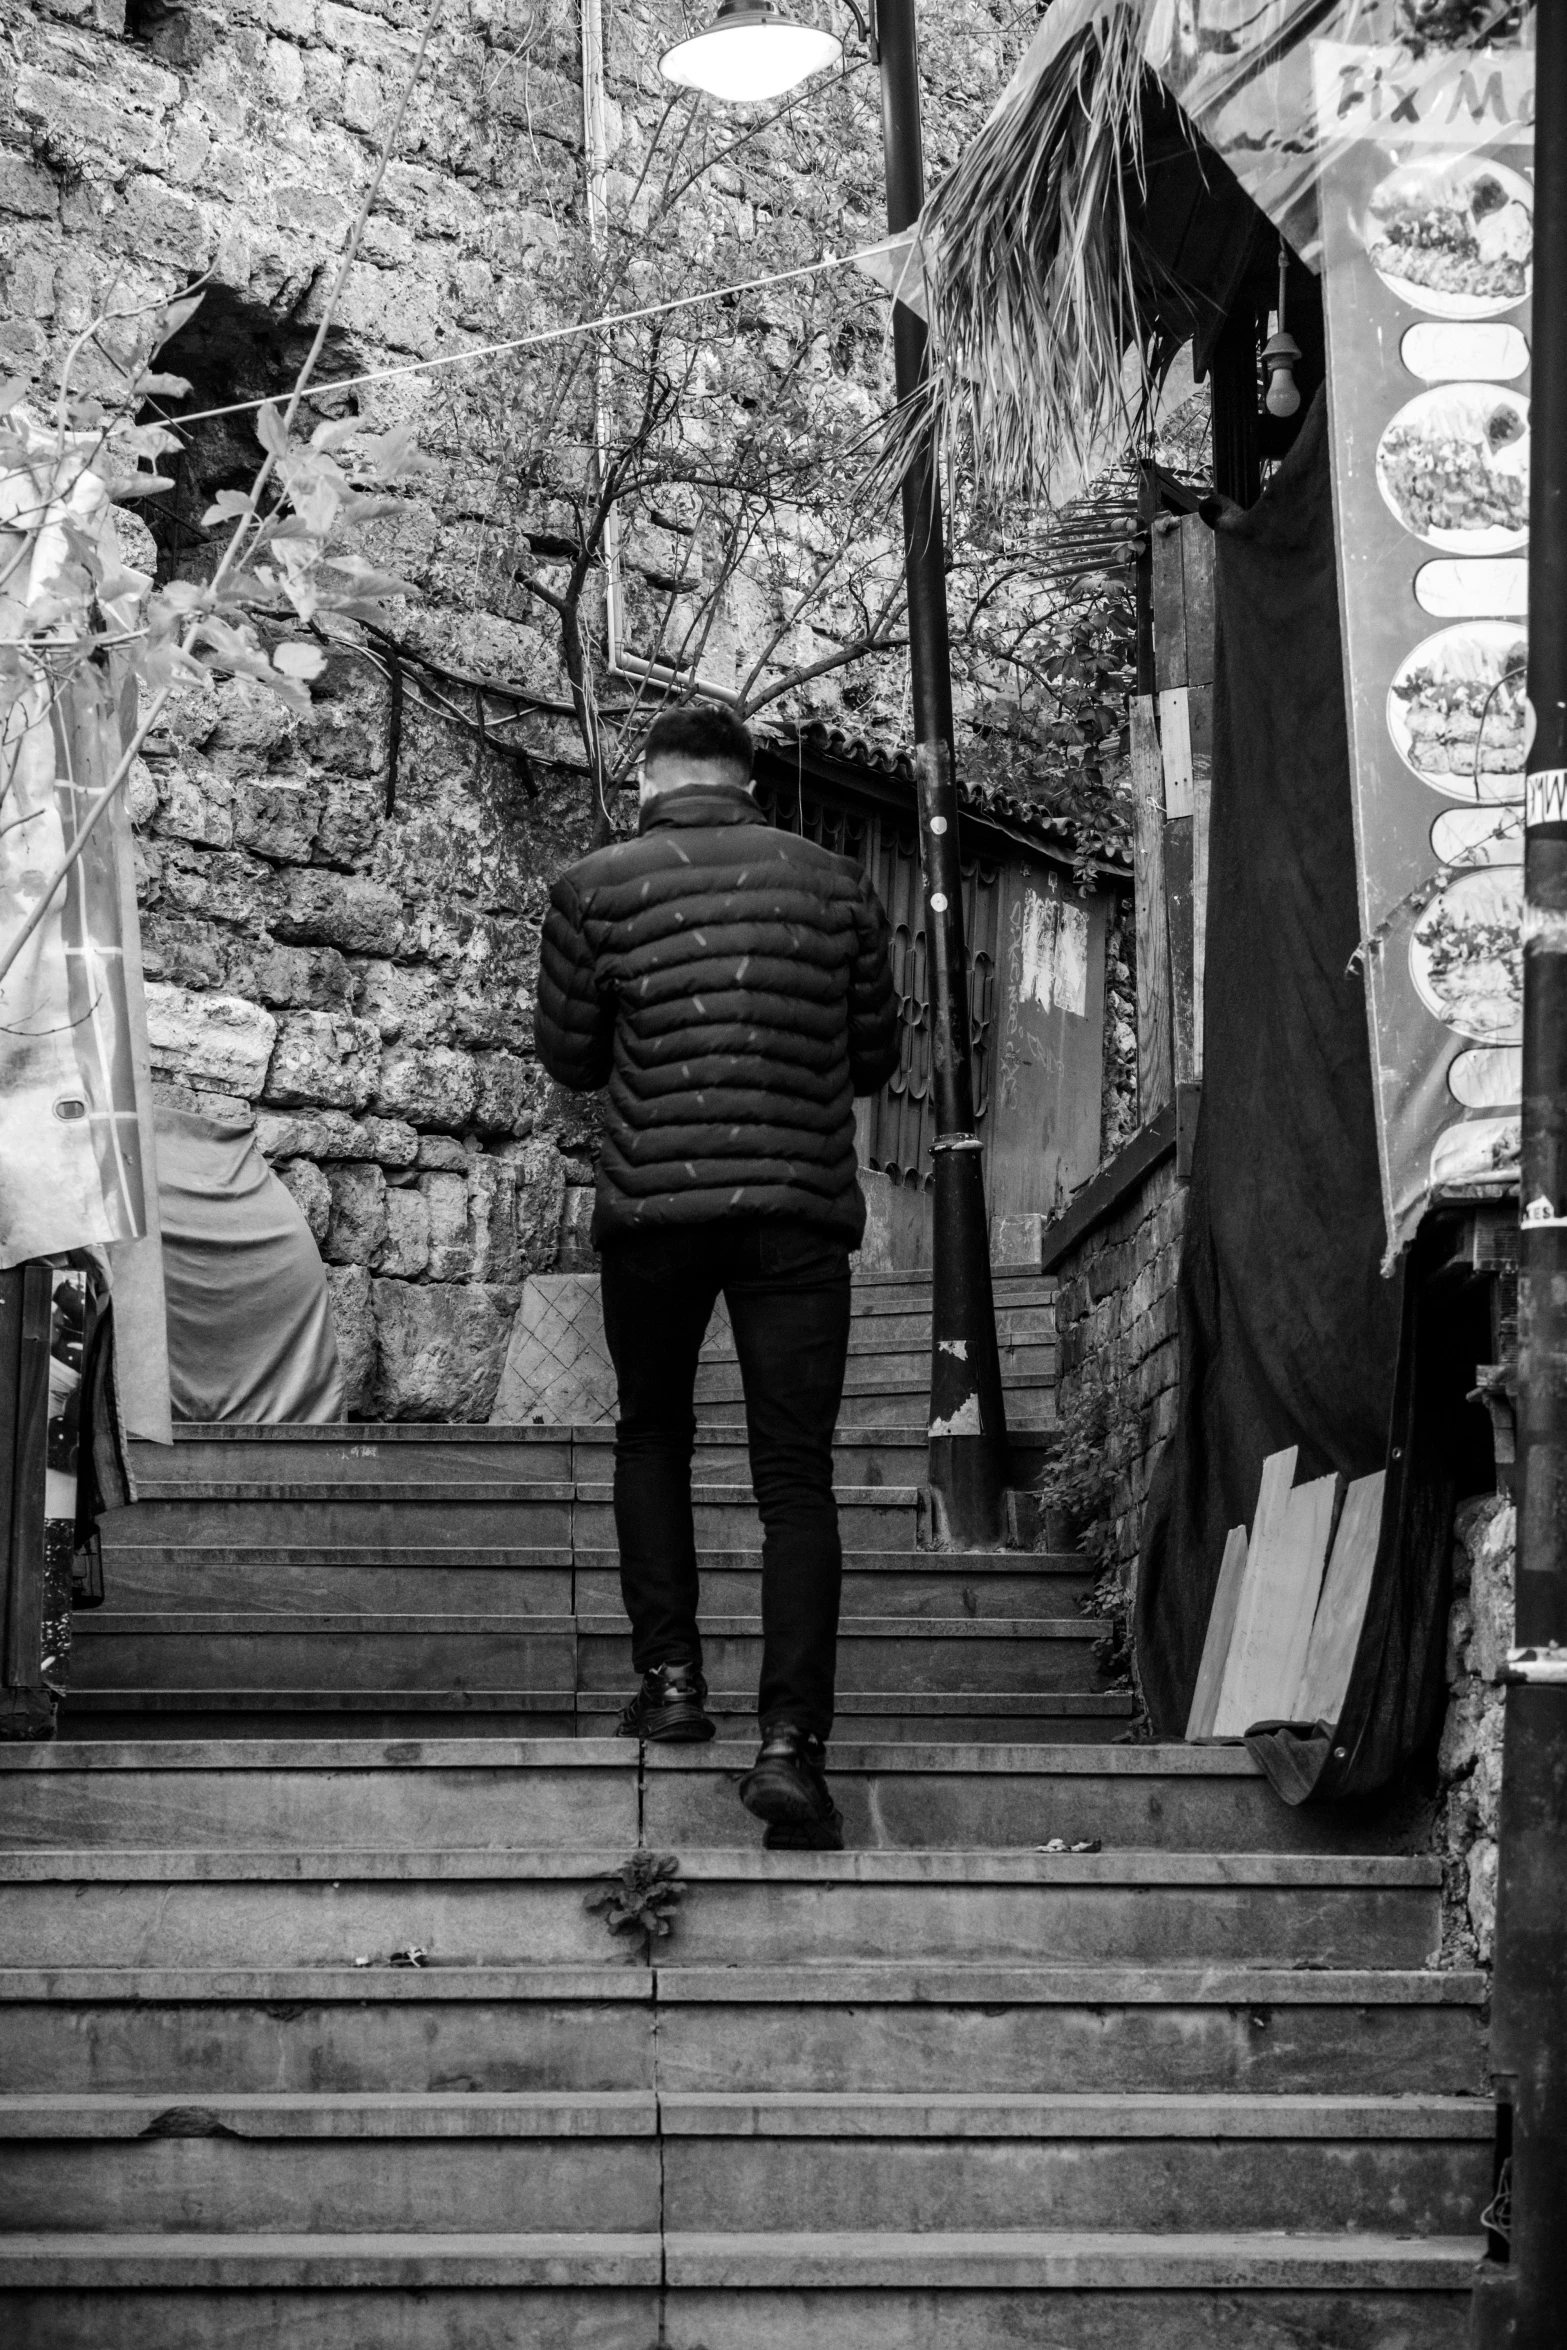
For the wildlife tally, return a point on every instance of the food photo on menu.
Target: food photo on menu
(1457, 710)
(1453, 466)
(1453, 238)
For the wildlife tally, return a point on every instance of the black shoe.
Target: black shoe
(670, 1708)
(788, 1789)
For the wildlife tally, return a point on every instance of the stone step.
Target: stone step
(175, 1579)
(1076, 2290)
(864, 1717)
(474, 1907)
(547, 1516)
(423, 2163)
(554, 1657)
(269, 1795)
(881, 1371)
(1030, 1409)
(908, 1329)
(190, 2032)
(248, 1462)
(876, 1655)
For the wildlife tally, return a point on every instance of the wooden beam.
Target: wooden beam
(1155, 1071)
(1216, 1647)
(1278, 1599)
(1341, 1611)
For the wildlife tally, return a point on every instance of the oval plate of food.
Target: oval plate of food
(1453, 239)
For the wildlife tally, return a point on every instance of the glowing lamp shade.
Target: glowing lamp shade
(751, 52)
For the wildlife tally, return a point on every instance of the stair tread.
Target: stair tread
(261, 1621)
(716, 1863)
(644, 2112)
(1012, 2258)
(856, 1982)
(467, 1754)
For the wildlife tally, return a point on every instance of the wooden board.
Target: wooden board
(1278, 1602)
(1178, 855)
(1341, 1611)
(1168, 589)
(1155, 1075)
(1175, 749)
(1278, 1475)
(1216, 1647)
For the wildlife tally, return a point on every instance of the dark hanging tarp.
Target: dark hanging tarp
(1289, 1333)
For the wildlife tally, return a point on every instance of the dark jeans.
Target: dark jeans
(787, 1288)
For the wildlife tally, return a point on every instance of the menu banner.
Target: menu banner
(1426, 205)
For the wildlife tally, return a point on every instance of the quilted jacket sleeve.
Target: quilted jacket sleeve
(874, 1036)
(574, 1024)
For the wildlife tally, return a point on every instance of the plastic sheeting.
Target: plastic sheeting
(250, 1330)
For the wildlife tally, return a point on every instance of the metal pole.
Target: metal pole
(1521, 2297)
(968, 1440)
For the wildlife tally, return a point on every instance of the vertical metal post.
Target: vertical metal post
(968, 1444)
(1522, 2300)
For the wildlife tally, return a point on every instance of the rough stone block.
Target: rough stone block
(358, 1225)
(277, 818)
(492, 1218)
(311, 1194)
(218, 1042)
(316, 978)
(442, 1151)
(195, 805)
(502, 1100)
(406, 1248)
(440, 1347)
(577, 1253)
(345, 910)
(434, 1085)
(350, 818)
(406, 1002)
(451, 1249)
(326, 1057)
(541, 1200)
(353, 1322)
(333, 1134)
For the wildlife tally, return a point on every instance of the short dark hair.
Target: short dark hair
(702, 730)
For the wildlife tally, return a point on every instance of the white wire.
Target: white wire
(553, 334)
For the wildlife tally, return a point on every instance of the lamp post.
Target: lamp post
(1522, 2299)
(968, 1442)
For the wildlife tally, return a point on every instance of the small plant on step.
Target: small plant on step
(641, 1897)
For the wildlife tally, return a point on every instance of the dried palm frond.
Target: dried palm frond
(1030, 266)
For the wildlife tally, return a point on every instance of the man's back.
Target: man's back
(729, 983)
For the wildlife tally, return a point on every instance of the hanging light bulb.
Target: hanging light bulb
(1281, 355)
(751, 51)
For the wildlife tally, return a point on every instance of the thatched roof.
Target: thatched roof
(1029, 266)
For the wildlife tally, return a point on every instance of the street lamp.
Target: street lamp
(751, 51)
(968, 1436)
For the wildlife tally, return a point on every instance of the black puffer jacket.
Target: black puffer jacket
(730, 984)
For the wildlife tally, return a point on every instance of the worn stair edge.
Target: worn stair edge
(845, 1983)
(182, 1623)
(566, 1699)
(989, 2262)
(1341, 1872)
(722, 1755)
(1238, 2262)
(640, 2113)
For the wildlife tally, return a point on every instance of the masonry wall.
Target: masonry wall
(340, 946)
(1118, 1354)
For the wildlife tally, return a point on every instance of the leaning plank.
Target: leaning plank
(1216, 1648)
(1267, 1526)
(1154, 1070)
(1278, 1601)
(1341, 1611)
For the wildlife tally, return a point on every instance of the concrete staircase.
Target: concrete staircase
(1197, 2089)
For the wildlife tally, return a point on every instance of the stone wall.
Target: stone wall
(341, 945)
(1480, 1632)
(1118, 1355)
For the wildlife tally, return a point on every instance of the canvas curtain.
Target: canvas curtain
(1289, 1333)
